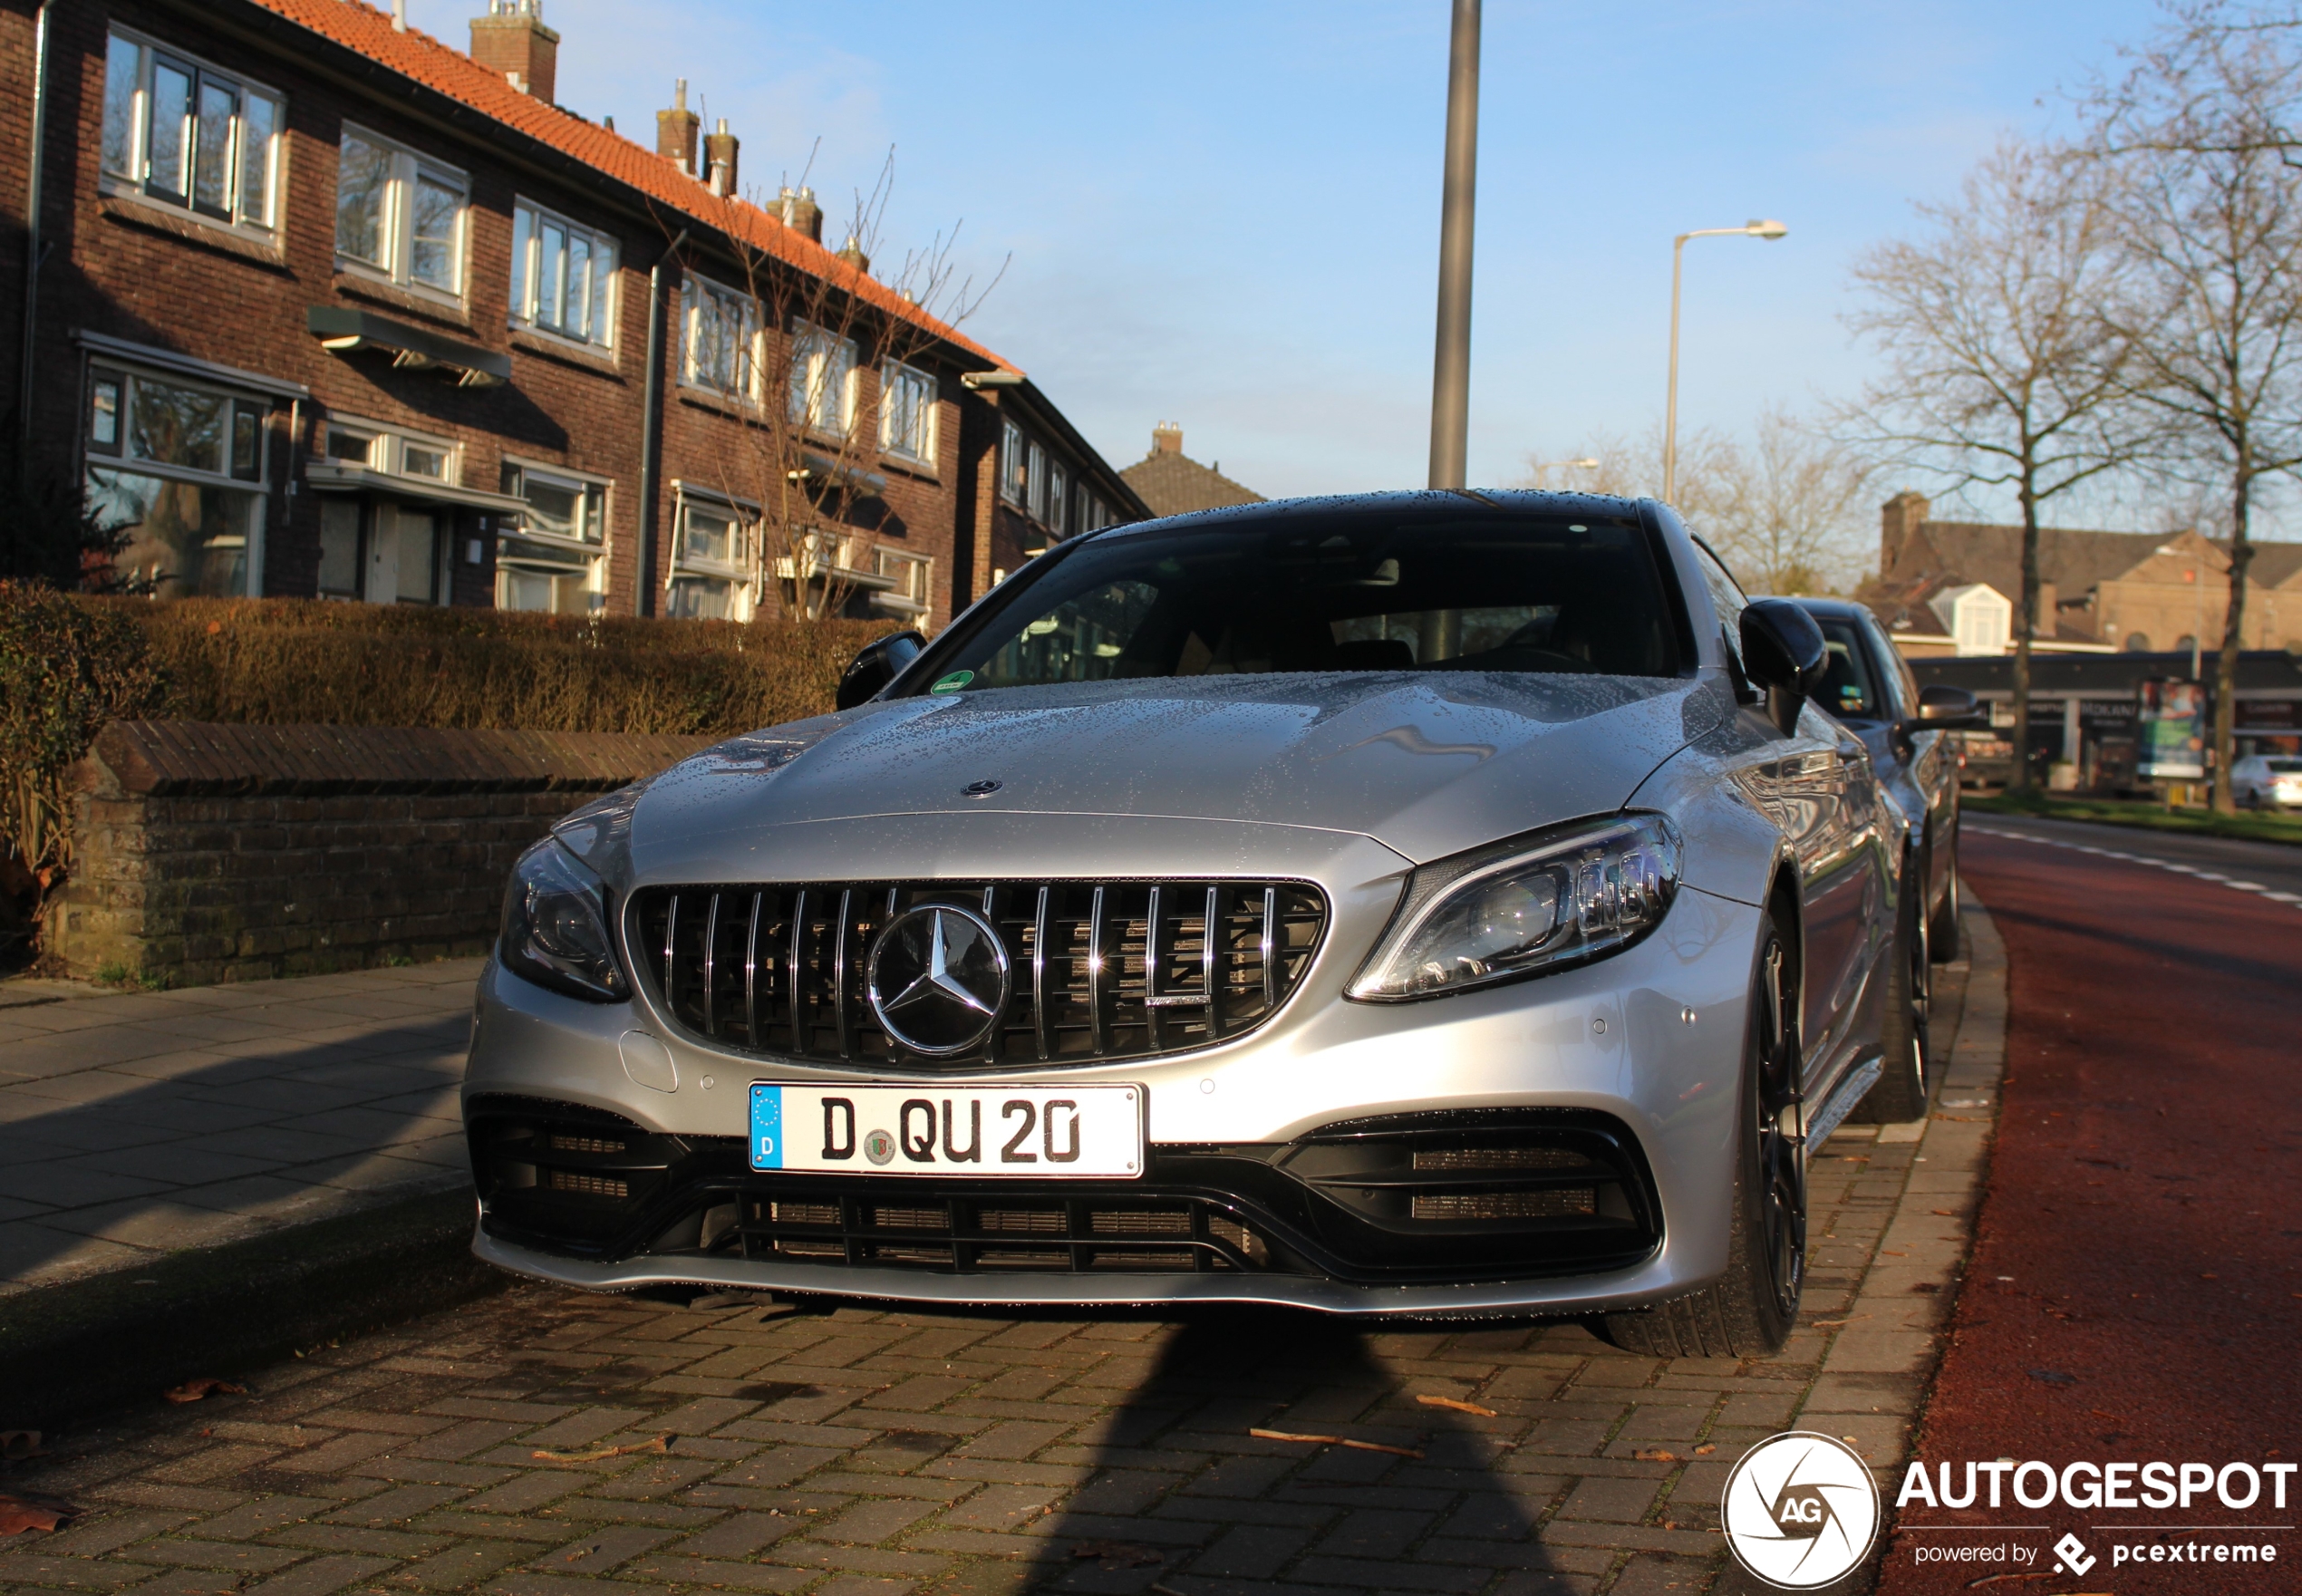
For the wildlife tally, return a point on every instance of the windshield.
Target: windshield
(2284, 767)
(1848, 690)
(1360, 592)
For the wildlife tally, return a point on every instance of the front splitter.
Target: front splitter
(1648, 1282)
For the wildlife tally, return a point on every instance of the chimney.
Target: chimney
(1167, 438)
(718, 158)
(851, 252)
(1898, 518)
(800, 212)
(675, 130)
(512, 40)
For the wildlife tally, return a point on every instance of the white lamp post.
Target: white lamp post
(1750, 229)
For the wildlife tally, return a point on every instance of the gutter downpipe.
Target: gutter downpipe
(32, 244)
(652, 427)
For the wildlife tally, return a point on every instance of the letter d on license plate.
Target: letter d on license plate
(1066, 1132)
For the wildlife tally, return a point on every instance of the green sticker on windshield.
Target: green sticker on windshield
(954, 682)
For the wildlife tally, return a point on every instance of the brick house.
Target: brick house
(1952, 588)
(1174, 484)
(330, 308)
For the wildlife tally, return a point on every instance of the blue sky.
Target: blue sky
(1226, 215)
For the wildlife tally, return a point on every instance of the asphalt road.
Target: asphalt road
(2137, 1280)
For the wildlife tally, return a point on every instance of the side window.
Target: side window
(1727, 597)
(1901, 687)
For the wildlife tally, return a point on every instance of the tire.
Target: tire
(1751, 1310)
(1945, 943)
(1907, 1073)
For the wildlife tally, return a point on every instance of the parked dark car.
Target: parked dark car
(1906, 730)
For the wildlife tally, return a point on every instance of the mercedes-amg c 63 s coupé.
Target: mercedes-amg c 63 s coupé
(1429, 904)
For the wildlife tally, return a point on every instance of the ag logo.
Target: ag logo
(1800, 1510)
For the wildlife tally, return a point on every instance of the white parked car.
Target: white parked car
(2268, 782)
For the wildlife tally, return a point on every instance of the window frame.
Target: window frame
(744, 527)
(893, 374)
(395, 225)
(804, 407)
(137, 182)
(393, 441)
(123, 378)
(579, 556)
(1014, 464)
(604, 299)
(913, 594)
(695, 289)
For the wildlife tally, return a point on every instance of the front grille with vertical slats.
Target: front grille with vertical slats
(969, 1235)
(1101, 970)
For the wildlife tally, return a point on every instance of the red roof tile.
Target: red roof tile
(450, 71)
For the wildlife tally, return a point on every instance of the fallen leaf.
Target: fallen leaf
(16, 1446)
(1655, 1454)
(1336, 1441)
(1942, 1213)
(597, 1454)
(1705, 1451)
(1459, 1407)
(1115, 1555)
(206, 1386)
(1835, 1323)
(26, 1510)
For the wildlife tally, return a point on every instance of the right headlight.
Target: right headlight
(1526, 906)
(555, 926)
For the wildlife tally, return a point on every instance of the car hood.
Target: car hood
(1426, 765)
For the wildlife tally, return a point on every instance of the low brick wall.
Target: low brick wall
(234, 853)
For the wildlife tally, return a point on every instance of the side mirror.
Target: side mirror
(1783, 653)
(877, 666)
(1944, 708)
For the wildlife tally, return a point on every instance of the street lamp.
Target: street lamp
(1542, 467)
(1750, 229)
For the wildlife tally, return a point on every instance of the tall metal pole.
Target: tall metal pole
(1451, 366)
(1671, 403)
(34, 251)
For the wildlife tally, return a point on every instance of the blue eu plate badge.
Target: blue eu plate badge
(767, 1126)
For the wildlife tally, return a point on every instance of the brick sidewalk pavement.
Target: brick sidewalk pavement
(848, 1451)
(136, 1124)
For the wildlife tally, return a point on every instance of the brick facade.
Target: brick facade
(236, 853)
(166, 282)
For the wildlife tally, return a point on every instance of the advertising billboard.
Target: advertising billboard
(2171, 725)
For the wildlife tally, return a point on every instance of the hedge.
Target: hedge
(69, 663)
(300, 661)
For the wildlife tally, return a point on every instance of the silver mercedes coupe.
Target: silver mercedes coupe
(1425, 904)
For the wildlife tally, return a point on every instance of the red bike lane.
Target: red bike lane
(2135, 1290)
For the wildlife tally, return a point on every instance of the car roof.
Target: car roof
(1419, 501)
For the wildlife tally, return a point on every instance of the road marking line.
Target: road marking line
(2193, 871)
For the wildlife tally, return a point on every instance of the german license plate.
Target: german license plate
(1070, 1132)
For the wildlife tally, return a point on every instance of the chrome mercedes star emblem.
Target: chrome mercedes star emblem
(938, 979)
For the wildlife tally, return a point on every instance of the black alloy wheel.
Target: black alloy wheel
(1781, 1134)
(1906, 1074)
(1942, 927)
(1750, 1310)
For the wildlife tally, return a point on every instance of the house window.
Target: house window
(710, 563)
(908, 575)
(399, 214)
(557, 561)
(1093, 514)
(180, 467)
(188, 135)
(720, 347)
(1014, 466)
(387, 449)
(907, 411)
(1059, 498)
(1035, 484)
(823, 380)
(562, 275)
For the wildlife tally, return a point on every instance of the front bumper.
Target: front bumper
(1642, 1051)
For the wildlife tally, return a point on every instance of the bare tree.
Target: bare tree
(2000, 370)
(821, 362)
(1780, 509)
(1787, 506)
(2210, 203)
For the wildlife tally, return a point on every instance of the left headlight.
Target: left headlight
(1522, 907)
(555, 931)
